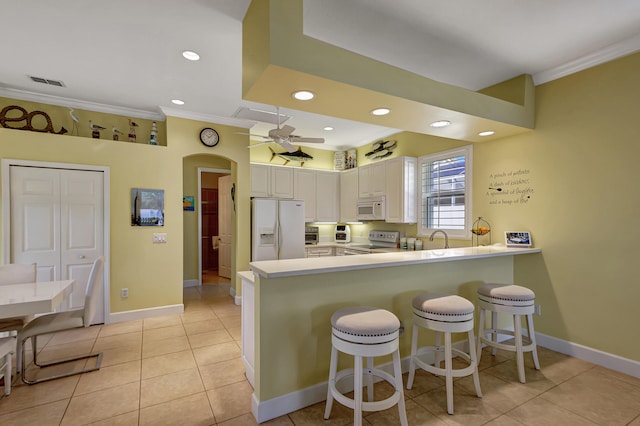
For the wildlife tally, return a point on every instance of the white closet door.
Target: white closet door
(57, 222)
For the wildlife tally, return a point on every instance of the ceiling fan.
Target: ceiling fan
(284, 136)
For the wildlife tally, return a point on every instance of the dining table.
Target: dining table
(24, 299)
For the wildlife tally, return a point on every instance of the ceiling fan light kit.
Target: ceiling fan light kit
(284, 137)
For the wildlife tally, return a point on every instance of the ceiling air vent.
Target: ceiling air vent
(259, 115)
(47, 81)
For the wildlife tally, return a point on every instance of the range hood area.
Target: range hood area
(279, 59)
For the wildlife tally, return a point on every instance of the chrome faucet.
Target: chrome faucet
(446, 237)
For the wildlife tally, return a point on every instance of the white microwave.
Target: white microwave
(370, 209)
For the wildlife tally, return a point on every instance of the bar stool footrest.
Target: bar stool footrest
(366, 405)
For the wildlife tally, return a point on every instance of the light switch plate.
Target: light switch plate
(159, 238)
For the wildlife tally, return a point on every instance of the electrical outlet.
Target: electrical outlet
(537, 309)
(124, 293)
(159, 238)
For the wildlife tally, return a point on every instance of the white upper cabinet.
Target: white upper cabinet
(401, 182)
(372, 180)
(327, 196)
(348, 195)
(271, 181)
(304, 188)
(320, 191)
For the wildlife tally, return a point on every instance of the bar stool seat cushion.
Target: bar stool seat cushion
(506, 293)
(443, 307)
(364, 321)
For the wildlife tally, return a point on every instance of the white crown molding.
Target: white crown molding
(609, 53)
(208, 118)
(79, 104)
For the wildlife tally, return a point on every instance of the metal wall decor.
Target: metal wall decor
(381, 149)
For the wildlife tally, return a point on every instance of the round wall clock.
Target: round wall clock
(209, 137)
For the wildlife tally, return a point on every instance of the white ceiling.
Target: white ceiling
(127, 54)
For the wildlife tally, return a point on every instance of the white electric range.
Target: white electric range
(379, 241)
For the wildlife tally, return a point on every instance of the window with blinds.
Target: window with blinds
(445, 188)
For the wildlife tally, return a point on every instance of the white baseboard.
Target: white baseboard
(190, 283)
(146, 313)
(276, 407)
(279, 406)
(236, 299)
(603, 359)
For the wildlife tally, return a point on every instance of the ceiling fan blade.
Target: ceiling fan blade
(259, 143)
(286, 145)
(253, 135)
(284, 132)
(306, 140)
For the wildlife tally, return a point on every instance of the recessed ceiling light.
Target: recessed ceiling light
(328, 128)
(177, 101)
(381, 111)
(303, 95)
(440, 123)
(486, 133)
(192, 56)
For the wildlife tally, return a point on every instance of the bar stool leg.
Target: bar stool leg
(481, 321)
(397, 371)
(494, 326)
(412, 363)
(437, 356)
(519, 353)
(448, 366)
(532, 338)
(369, 379)
(475, 360)
(357, 391)
(333, 368)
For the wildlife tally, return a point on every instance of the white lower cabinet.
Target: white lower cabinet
(315, 251)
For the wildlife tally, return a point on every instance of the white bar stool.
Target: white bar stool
(514, 300)
(444, 314)
(365, 332)
(7, 348)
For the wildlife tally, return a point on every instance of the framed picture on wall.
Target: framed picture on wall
(147, 207)
(517, 239)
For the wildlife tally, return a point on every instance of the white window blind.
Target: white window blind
(445, 187)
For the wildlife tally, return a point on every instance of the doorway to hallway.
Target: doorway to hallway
(215, 222)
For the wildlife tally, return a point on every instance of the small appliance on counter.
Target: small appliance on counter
(342, 234)
(311, 235)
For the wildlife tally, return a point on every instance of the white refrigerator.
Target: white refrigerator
(277, 229)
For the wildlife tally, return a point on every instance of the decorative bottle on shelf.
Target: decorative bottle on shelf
(153, 138)
(481, 231)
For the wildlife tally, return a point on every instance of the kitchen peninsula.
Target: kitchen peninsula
(288, 305)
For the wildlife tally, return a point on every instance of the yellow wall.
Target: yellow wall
(152, 272)
(582, 160)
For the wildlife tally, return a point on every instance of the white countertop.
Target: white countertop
(318, 265)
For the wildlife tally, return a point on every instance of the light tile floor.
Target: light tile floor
(186, 370)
